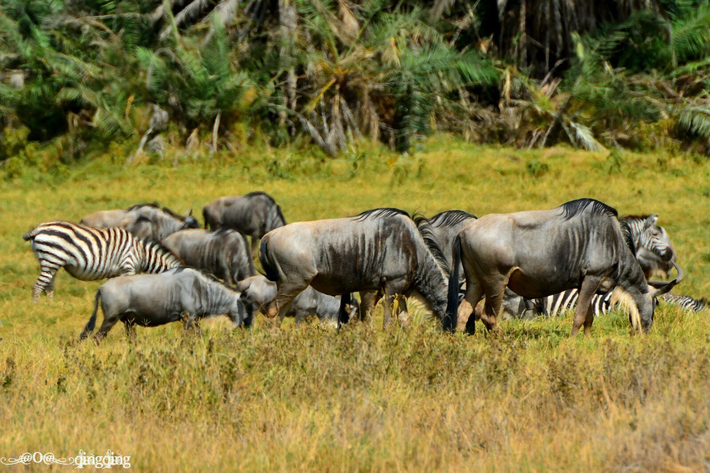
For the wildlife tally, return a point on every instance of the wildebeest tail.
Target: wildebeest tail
(91, 324)
(269, 270)
(449, 322)
(343, 315)
(209, 225)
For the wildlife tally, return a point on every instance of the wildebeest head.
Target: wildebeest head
(190, 221)
(641, 308)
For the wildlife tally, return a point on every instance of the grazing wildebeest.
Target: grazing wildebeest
(580, 244)
(223, 252)
(380, 249)
(90, 253)
(654, 249)
(254, 214)
(143, 220)
(150, 300)
(257, 292)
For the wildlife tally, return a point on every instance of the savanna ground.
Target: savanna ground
(528, 399)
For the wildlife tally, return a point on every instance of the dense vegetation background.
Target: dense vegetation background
(81, 77)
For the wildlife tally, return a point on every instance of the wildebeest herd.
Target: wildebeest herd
(579, 256)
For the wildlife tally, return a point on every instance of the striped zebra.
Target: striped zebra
(90, 253)
(685, 302)
(652, 246)
(555, 304)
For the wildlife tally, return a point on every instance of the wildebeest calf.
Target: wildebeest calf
(223, 253)
(150, 300)
(257, 292)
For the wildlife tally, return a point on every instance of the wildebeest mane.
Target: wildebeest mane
(384, 212)
(433, 247)
(575, 207)
(260, 193)
(173, 214)
(628, 235)
(449, 218)
(154, 205)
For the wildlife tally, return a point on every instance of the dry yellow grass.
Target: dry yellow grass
(272, 399)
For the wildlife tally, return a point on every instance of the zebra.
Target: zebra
(555, 304)
(653, 247)
(685, 302)
(90, 254)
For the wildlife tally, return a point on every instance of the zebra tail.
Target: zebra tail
(449, 322)
(91, 324)
(30, 235)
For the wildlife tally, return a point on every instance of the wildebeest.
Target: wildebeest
(254, 214)
(580, 244)
(257, 292)
(223, 252)
(150, 300)
(443, 228)
(143, 220)
(380, 249)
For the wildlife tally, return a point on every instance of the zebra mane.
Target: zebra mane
(260, 193)
(635, 217)
(628, 234)
(385, 212)
(575, 207)
(154, 205)
(449, 218)
(424, 228)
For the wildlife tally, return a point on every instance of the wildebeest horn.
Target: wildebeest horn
(189, 212)
(661, 287)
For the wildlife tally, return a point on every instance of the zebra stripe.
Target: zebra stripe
(685, 302)
(646, 234)
(90, 253)
(555, 304)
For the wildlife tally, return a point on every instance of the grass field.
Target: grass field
(529, 399)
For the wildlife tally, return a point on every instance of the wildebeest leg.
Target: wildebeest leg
(300, 316)
(108, 323)
(368, 300)
(584, 314)
(45, 280)
(284, 297)
(474, 293)
(392, 288)
(255, 246)
(130, 330)
(494, 300)
(403, 315)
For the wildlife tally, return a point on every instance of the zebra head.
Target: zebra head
(654, 238)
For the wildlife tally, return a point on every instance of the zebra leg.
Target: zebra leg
(45, 280)
(584, 313)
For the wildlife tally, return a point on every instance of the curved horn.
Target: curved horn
(662, 287)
